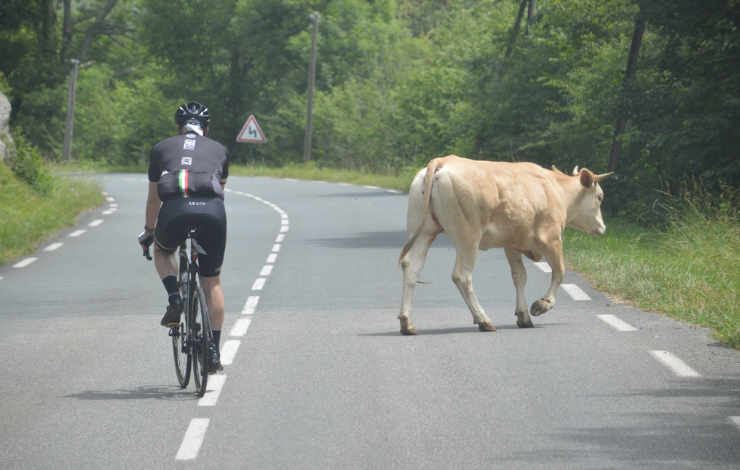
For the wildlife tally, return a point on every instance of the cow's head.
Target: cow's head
(585, 213)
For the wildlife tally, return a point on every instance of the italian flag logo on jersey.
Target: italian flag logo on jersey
(184, 183)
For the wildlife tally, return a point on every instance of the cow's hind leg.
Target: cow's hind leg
(519, 274)
(462, 276)
(412, 265)
(554, 254)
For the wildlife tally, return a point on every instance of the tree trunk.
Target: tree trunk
(629, 77)
(512, 39)
(530, 16)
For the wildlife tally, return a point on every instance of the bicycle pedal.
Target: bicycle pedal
(174, 330)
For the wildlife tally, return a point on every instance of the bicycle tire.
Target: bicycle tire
(201, 340)
(181, 344)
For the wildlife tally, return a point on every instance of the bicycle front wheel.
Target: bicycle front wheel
(201, 341)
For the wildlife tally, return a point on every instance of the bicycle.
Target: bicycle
(192, 338)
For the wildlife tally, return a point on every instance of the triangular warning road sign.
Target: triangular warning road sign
(251, 132)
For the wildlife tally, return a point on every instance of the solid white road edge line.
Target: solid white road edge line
(228, 351)
(575, 292)
(240, 327)
(678, 367)
(259, 284)
(25, 262)
(544, 266)
(190, 447)
(53, 246)
(77, 233)
(213, 390)
(616, 323)
(251, 305)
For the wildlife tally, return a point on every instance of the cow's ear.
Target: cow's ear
(587, 178)
(556, 170)
(598, 178)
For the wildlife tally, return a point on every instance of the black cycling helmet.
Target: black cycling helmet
(192, 112)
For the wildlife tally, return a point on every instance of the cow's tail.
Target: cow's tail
(433, 167)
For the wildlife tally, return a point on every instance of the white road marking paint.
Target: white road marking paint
(251, 305)
(371, 187)
(616, 323)
(272, 258)
(575, 292)
(280, 238)
(104, 193)
(1, 278)
(733, 419)
(77, 233)
(283, 215)
(284, 228)
(96, 222)
(108, 212)
(284, 222)
(266, 270)
(544, 266)
(190, 447)
(395, 191)
(213, 389)
(113, 205)
(109, 199)
(53, 246)
(230, 191)
(25, 262)
(276, 247)
(240, 327)
(228, 351)
(290, 179)
(259, 284)
(257, 198)
(678, 367)
(344, 184)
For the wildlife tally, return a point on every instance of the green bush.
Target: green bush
(28, 165)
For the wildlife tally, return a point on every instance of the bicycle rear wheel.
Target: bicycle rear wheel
(201, 341)
(181, 343)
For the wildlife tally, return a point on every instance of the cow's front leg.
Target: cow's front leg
(519, 274)
(554, 255)
(462, 276)
(412, 265)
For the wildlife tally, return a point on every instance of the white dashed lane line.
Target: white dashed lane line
(228, 351)
(259, 284)
(251, 305)
(575, 292)
(735, 420)
(190, 447)
(96, 222)
(676, 365)
(616, 323)
(240, 327)
(24, 262)
(544, 267)
(76, 233)
(213, 389)
(53, 246)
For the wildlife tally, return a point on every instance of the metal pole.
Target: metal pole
(71, 97)
(311, 74)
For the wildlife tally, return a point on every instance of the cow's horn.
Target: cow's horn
(598, 178)
(575, 170)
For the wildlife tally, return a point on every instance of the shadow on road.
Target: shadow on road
(140, 393)
(376, 240)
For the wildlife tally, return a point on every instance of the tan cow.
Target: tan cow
(520, 207)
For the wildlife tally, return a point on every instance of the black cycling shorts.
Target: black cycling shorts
(177, 216)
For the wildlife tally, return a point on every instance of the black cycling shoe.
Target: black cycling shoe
(214, 361)
(174, 309)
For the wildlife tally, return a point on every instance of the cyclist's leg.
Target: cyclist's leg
(168, 235)
(215, 300)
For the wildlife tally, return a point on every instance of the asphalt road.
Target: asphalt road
(319, 376)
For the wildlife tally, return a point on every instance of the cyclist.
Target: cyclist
(187, 174)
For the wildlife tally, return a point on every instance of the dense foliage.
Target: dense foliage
(398, 83)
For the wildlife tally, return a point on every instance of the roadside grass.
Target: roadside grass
(310, 171)
(29, 218)
(689, 270)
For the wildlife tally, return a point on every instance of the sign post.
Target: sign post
(251, 134)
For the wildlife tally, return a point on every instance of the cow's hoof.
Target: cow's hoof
(409, 331)
(521, 322)
(488, 326)
(539, 307)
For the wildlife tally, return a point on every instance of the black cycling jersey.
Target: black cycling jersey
(189, 165)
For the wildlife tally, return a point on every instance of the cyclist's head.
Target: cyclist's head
(192, 115)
